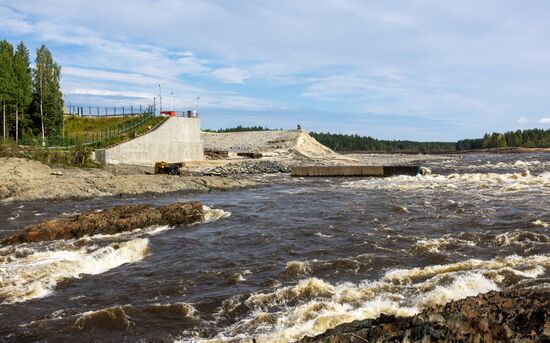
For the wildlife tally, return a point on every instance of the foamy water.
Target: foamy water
(36, 274)
(285, 261)
(32, 270)
(312, 305)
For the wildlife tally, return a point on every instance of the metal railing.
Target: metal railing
(106, 136)
(106, 111)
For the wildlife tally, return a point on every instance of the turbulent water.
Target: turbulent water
(290, 259)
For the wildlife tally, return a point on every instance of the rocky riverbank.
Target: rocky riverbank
(24, 180)
(521, 316)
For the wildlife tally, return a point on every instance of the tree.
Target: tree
(6, 80)
(23, 84)
(47, 93)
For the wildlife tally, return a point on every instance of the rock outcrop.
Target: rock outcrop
(111, 221)
(512, 316)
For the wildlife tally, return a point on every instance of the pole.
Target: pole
(41, 104)
(171, 108)
(4, 118)
(16, 124)
(160, 98)
(197, 105)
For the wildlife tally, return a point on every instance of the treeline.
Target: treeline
(30, 98)
(239, 128)
(532, 138)
(341, 142)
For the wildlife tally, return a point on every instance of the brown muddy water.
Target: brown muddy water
(279, 262)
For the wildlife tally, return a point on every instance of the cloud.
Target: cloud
(230, 75)
(428, 59)
(14, 22)
(544, 121)
(110, 93)
(523, 120)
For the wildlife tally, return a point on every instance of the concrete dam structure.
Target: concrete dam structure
(177, 139)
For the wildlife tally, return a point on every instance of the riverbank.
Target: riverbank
(26, 180)
(507, 316)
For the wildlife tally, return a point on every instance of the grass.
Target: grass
(74, 149)
(77, 157)
(106, 131)
(82, 126)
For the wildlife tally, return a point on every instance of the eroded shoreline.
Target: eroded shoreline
(26, 180)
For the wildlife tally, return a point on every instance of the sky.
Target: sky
(421, 70)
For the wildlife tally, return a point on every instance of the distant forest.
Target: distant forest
(340, 142)
(531, 138)
(239, 128)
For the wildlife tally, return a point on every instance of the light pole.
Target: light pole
(160, 98)
(171, 108)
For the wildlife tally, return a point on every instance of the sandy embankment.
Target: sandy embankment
(296, 148)
(23, 180)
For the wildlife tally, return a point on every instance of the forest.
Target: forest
(530, 138)
(30, 97)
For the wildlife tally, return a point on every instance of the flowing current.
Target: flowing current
(293, 258)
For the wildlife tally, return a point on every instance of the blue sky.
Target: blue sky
(422, 70)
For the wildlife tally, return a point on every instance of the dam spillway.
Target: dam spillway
(332, 171)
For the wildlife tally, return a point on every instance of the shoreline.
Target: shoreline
(518, 315)
(26, 180)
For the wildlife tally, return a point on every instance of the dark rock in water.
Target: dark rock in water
(111, 221)
(510, 316)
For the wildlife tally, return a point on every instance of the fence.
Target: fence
(94, 111)
(109, 135)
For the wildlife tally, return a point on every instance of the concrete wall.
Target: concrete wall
(355, 170)
(178, 139)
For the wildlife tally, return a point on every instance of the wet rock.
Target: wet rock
(111, 221)
(510, 316)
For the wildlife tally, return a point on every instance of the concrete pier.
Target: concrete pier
(379, 171)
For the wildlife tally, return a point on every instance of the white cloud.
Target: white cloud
(544, 121)
(110, 93)
(427, 58)
(14, 22)
(230, 75)
(523, 120)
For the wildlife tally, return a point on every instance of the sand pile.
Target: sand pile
(269, 143)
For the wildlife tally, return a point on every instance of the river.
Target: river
(293, 258)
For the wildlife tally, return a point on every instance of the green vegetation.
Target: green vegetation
(101, 132)
(533, 138)
(31, 98)
(78, 156)
(239, 129)
(340, 142)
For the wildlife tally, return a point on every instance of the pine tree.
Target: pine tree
(47, 93)
(6, 81)
(23, 85)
